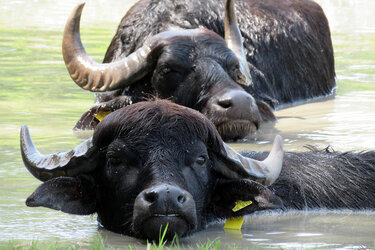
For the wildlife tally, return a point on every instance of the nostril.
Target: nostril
(150, 197)
(181, 199)
(225, 103)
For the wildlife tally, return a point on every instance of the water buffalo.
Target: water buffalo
(195, 53)
(156, 163)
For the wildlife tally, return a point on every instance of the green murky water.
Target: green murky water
(35, 89)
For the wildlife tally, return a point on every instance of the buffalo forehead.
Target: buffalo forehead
(177, 146)
(183, 152)
(187, 50)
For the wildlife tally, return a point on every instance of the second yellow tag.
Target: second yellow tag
(234, 223)
(101, 115)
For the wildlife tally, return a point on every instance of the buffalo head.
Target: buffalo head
(151, 164)
(194, 67)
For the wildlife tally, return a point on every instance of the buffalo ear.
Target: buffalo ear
(74, 195)
(266, 111)
(91, 118)
(227, 192)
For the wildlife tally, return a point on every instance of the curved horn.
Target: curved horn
(45, 167)
(234, 41)
(91, 75)
(265, 172)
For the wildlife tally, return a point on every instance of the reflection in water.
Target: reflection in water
(296, 229)
(35, 89)
(345, 123)
(314, 229)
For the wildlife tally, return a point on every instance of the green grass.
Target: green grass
(175, 243)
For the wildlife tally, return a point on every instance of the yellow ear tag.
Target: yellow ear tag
(101, 115)
(236, 223)
(241, 204)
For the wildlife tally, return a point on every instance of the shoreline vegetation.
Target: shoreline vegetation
(98, 243)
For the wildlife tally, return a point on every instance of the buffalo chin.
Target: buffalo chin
(153, 227)
(237, 129)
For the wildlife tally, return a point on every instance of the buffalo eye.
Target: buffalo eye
(166, 81)
(114, 162)
(201, 160)
(234, 68)
(232, 63)
(164, 70)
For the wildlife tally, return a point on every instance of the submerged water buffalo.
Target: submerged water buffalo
(195, 53)
(156, 163)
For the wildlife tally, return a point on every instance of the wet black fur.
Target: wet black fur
(325, 179)
(287, 43)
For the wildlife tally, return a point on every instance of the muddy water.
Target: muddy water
(36, 90)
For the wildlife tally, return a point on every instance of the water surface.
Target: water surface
(35, 89)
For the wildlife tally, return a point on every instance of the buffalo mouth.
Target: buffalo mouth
(153, 226)
(174, 224)
(236, 129)
(234, 112)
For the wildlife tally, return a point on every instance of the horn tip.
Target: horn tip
(24, 126)
(229, 9)
(78, 9)
(229, 3)
(278, 142)
(81, 3)
(26, 143)
(24, 133)
(275, 160)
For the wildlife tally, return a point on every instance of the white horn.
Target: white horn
(265, 172)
